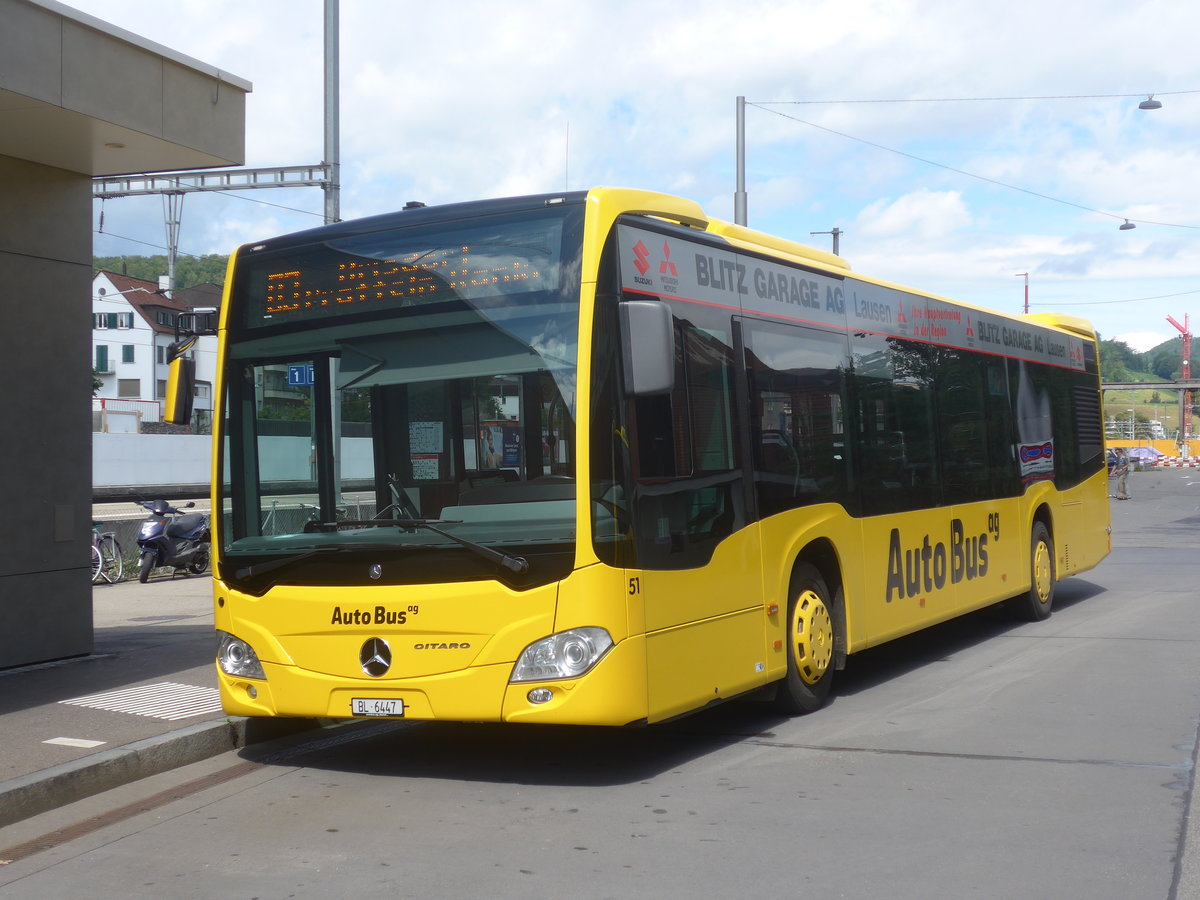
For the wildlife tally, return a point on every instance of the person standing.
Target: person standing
(1121, 470)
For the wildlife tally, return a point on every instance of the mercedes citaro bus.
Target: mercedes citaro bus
(600, 458)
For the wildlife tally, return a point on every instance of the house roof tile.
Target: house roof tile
(143, 296)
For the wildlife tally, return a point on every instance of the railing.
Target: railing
(145, 411)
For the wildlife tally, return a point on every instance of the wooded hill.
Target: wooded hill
(189, 270)
(1120, 362)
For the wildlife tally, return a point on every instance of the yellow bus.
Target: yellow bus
(598, 458)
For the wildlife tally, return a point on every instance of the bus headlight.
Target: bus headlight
(237, 658)
(567, 654)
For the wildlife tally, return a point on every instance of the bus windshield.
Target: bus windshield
(407, 392)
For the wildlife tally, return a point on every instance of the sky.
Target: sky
(956, 146)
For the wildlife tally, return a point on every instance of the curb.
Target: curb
(39, 792)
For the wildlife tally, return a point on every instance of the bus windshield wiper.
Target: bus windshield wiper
(262, 568)
(516, 564)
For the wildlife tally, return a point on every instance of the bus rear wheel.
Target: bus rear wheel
(1036, 603)
(810, 643)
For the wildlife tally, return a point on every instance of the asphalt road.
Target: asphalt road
(982, 759)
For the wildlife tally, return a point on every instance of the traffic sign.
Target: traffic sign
(300, 374)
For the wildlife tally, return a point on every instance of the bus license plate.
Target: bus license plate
(376, 707)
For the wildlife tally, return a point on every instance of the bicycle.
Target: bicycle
(108, 559)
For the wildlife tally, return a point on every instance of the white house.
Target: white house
(133, 324)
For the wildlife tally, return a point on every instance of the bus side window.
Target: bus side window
(963, 438)
(657, 448)
(798, 384)
(686, 454)
(897, 440)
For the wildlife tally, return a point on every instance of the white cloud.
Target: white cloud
(922, 214)
(451, 102)
(1141, 341)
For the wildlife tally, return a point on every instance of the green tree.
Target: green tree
(1164, 364)
(189, 270)
(1117, 360)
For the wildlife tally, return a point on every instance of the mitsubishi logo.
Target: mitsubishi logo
(375, 657)
(666, 267)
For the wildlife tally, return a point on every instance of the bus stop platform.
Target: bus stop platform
(143, 701)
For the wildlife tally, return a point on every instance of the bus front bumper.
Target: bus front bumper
(612, 693)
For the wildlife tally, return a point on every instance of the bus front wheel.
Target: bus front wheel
(810, 643)
(1036, 603)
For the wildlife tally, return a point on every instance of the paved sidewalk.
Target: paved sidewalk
(144, 701)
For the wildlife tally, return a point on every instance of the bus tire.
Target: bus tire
(809, 641)
(1036, 603)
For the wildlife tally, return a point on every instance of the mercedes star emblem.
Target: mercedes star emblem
(375, 657)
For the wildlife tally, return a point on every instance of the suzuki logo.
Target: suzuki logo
(375, 657)
(641, 254)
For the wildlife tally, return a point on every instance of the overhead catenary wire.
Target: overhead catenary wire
(972, 99)
(121, 237)
(109, 234)
(1057, 303)
(984, 178)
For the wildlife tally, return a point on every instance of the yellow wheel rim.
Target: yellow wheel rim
(1042, 577)
(812, 637)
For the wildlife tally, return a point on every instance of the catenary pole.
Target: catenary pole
(333, 188)
(739, 197)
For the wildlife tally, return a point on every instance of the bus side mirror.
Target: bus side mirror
(181, 389)
(200, 321)
(648, 343)
(181, 373)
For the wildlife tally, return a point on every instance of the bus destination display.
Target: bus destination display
(364, 274)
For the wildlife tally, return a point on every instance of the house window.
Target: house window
(112, 320)
(101, 357)
(129, 388)
(166, 318)
(127, 353)
(162, 389)
(161, 354)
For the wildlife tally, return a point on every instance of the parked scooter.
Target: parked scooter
(171, 537)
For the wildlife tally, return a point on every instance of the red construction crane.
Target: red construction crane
(1185, 374)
